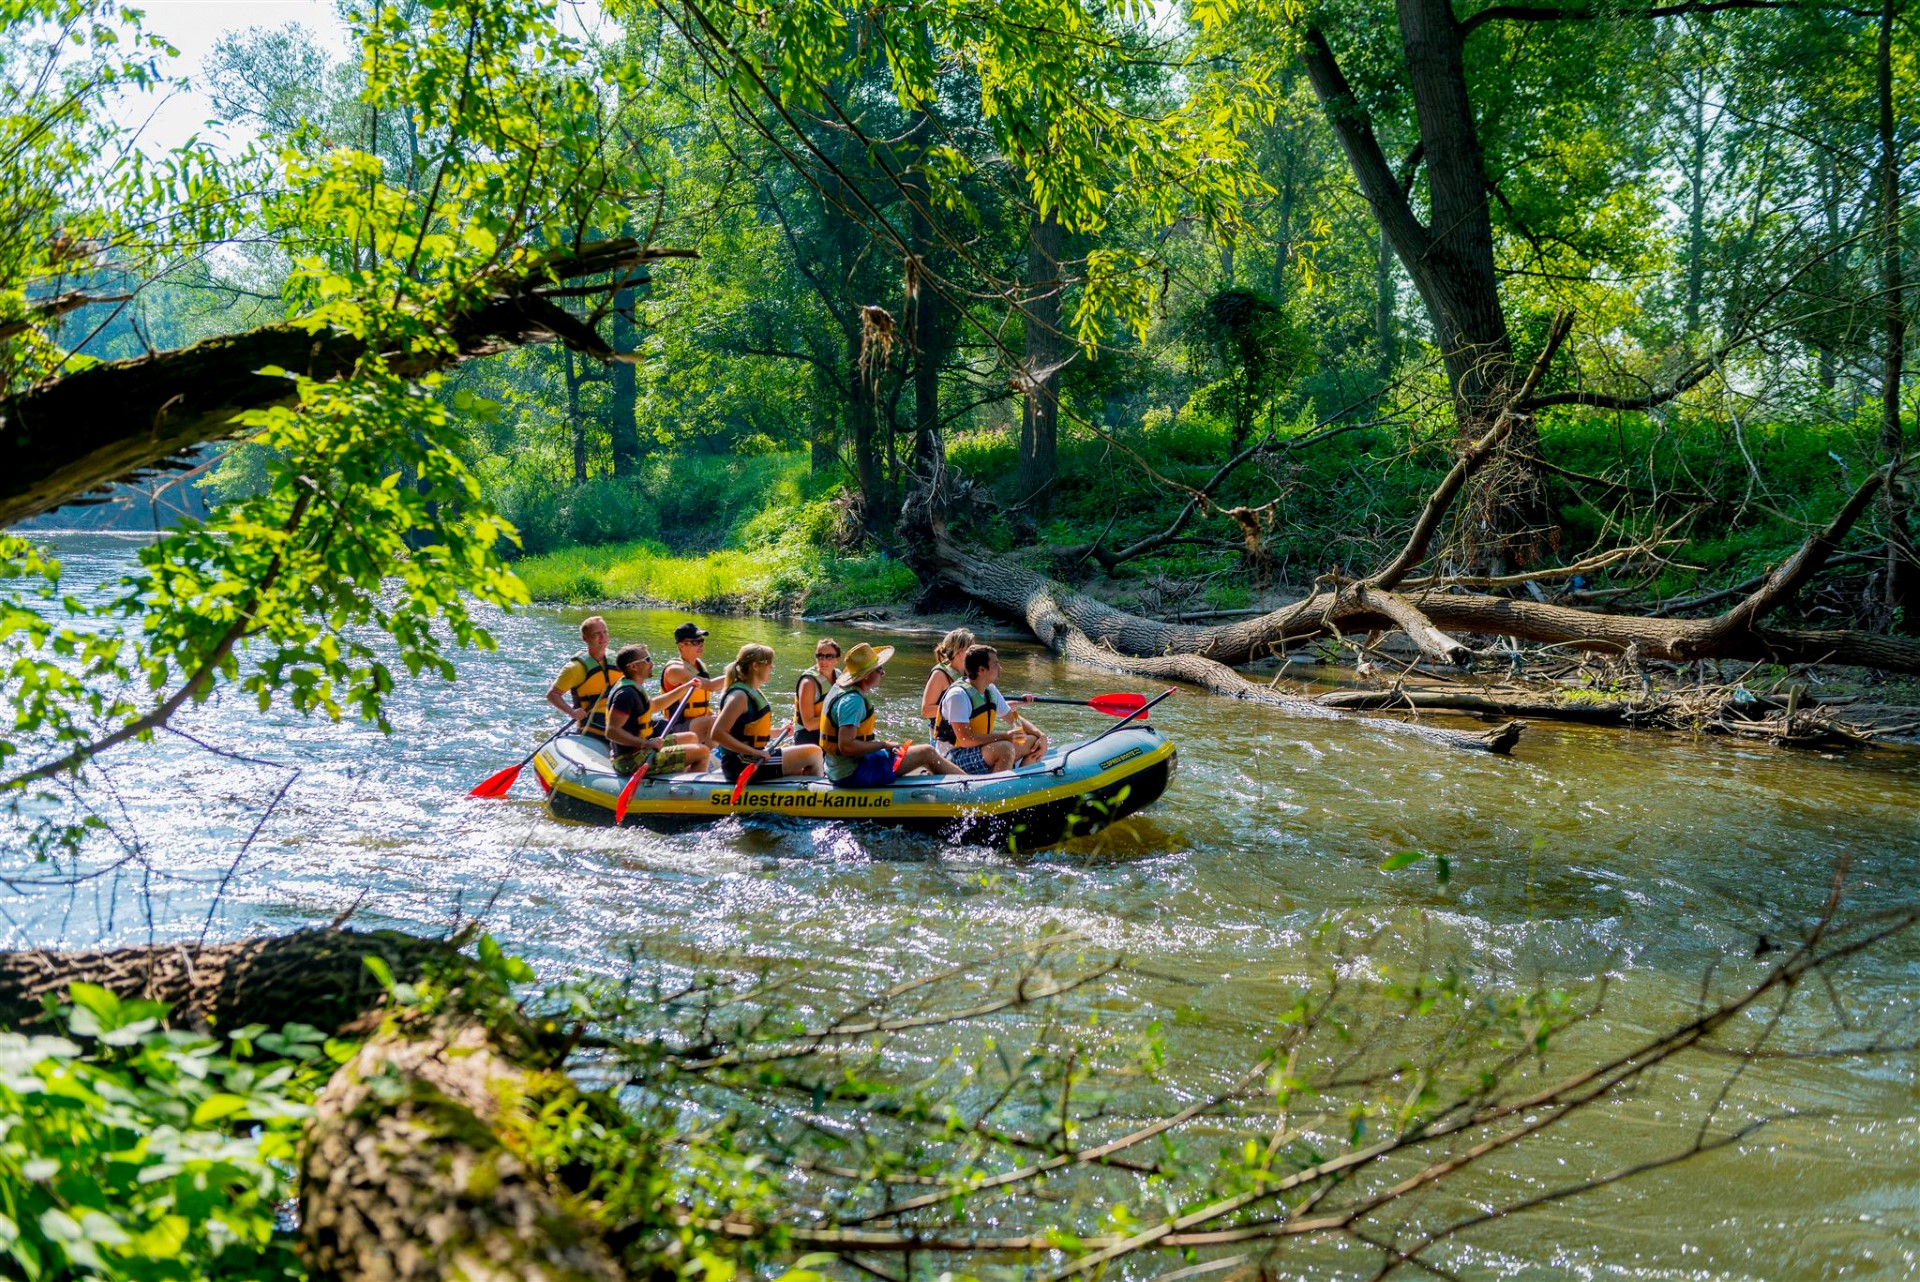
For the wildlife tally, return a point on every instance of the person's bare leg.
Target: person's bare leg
(922, 756)
(802, 759)
(998, 756)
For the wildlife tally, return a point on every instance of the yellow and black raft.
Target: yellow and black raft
(1074, 790)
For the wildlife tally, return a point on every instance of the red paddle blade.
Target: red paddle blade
(740, 784)
(626, 793)
(498, 784)
(1117, 705)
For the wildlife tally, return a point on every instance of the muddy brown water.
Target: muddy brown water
(1651, 859)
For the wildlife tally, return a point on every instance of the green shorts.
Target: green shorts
(670, 760)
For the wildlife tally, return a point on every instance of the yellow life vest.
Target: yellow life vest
(819, 699)
(700, 702)
(592, 692)
(754, 726)
(980, 715)
(941, 730)
(830, 722)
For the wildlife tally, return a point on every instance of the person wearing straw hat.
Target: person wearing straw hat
(855, 757)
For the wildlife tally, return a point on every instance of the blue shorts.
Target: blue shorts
(971, 760)
(874, 771)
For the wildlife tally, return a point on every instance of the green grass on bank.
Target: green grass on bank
(764, 532)
(757, 581)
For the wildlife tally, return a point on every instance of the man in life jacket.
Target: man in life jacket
(586, 680)
(639, 728)
(691, 639)
(970, 708)
(856, 758)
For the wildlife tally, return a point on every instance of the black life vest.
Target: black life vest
(754, 725)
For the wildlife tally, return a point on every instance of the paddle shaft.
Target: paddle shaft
(640, 771)
(488, 788)
(1067, 703)
(740, 784)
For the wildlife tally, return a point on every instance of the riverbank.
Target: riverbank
(765, 581)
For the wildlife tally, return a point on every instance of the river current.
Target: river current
(1652, 859)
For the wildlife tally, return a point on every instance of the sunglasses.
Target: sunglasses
(826, 654)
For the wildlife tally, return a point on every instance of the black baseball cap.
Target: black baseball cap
(688, 631)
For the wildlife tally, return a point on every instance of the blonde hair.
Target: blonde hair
(751, 656)
(587, 624)
(953, 645)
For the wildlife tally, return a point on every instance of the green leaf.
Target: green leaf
(215, 1107)
(1402, 859)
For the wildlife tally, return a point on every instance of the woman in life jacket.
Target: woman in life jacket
(581, 689)
(810, 691)
(691, 640)
(856, 756)
(744, 723)
(945, 675)
(637, 726)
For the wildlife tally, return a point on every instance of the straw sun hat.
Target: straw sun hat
(860, 662)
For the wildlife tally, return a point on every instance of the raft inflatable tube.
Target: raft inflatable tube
(1074, 790)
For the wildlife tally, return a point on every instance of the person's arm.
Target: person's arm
(932, 693)
(805, 704)
(730, 716)
(955, 701)
(847, 743)
(557, 693)
(620, 734)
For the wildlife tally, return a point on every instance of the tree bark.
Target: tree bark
(317, 976)
(410, 1172)
(412, 1169)
(83, 431)
(1083, 630)
(1451, 262)
(576, 424)
(1045, 352)
(623, 390)
(1902, 579)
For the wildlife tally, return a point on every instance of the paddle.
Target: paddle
(626, 793)
(740, 784)
(1114, 705)
(501, 782)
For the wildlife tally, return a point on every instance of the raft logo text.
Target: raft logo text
(784, 800)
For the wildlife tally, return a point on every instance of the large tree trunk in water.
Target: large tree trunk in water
(1902, 596)
(1046, 349)
(1081, 629)
(1088, 631)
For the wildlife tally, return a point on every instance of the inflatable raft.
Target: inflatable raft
(1076, 789)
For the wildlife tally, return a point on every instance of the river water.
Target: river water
(1655, 860)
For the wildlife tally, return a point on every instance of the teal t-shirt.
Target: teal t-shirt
(846, 708)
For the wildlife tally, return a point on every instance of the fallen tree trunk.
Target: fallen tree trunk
(318, 976)
(1079, 628)
(88, 429)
